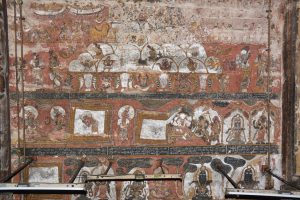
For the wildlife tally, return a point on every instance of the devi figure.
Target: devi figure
(236, 134)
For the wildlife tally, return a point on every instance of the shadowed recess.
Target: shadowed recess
(235, 162)
(214, 165)
(132, 163)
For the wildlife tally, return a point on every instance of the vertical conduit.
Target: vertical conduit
(17, 72)
(22, 75)
(269, 16)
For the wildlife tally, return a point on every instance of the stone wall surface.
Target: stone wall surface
(156, 86)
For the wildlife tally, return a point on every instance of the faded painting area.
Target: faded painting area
(153, 129)
(88, 122)
(156, 86)
(43, 175)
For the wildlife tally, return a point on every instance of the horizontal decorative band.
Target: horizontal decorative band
(183, 150)
(203, 95)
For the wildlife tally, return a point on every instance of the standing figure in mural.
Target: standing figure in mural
(54, 75)
(261, 126)
(125, 114)
(163, 82)
(53, 59)
(245, 81)
(261, 63)
(58, 121)
(58, 114)
(215, 127)
(224, 82)
(135, 190)
(200, 128)
(160, 190)
(236, 134)
(202, 189)
(242, 59)
(126, 81)
(99, 190)
(30, 115)
(87, 82)
(36, 69)
(89, 124)
(248, 179)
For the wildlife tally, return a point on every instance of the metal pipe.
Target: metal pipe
(7, 178)
(72, 179)
(108, 168)
(43, 188)
(220, 170)
(261, 194)
(17, 71)
(134, 177)
(268, 90)
(20, 2)
(281, 179)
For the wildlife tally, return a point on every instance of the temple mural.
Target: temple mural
(149, 87)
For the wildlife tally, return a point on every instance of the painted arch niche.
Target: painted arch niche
(236, 128)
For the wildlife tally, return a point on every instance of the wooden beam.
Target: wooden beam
(288, 88)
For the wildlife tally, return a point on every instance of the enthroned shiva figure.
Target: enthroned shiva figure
(202, 184)
(248, 179)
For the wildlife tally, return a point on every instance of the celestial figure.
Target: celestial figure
(163, 82)
(53, 59)
(58, 114)
(31, 123)
(200, 128)
(55, 77)
(248, 179)
(125, 114)
(202, 81)
(215, 127)
(37, 72)
(224, 82)
(242, 59)
(87, 82)
(126, 81)
(261, 126)
(236, 134)
(245, 82)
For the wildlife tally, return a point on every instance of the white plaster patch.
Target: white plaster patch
(88, 122)
(43, 175)
(153, 129)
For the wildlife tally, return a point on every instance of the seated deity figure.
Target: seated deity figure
(202, 181)
(248, 179)
(236, 134)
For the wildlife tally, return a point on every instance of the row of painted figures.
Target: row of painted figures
(202, 123)
(104, 58)
(200, 181)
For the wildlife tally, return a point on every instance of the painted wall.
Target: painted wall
(156, 86)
